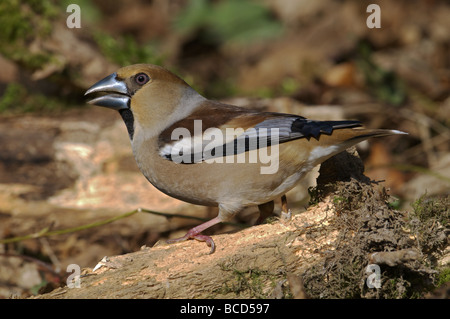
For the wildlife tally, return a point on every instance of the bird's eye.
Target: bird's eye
(142, 78)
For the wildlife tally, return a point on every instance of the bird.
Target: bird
(209, 153)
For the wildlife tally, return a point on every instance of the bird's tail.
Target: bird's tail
(337, 132)
(348, 137)
(340, 139)
(362, 134)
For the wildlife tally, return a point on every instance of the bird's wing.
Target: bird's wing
(221, 130)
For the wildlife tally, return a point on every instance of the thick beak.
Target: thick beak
(116, 93)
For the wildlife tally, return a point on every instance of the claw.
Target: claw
(191, 235)
(208, 240)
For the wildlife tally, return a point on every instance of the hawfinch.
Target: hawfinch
(209, 153)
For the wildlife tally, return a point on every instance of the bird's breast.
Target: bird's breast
(211, 184)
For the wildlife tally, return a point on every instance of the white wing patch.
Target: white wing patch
(320, 152)
(215, 142)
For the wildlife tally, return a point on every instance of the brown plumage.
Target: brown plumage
(208, 153)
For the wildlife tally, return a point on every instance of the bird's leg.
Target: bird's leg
(194, 233)
(265, 210)
(285, 211)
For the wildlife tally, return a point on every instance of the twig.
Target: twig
(45, 232)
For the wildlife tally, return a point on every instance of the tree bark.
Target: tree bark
(252, 263)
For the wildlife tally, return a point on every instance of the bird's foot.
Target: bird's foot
(192, 234)
(286, 216)
(286, 213)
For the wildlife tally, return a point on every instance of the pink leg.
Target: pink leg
(194, 233)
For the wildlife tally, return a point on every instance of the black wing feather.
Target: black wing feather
(310, 128)
(289, 127)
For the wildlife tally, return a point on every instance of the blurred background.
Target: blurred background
(64, 163)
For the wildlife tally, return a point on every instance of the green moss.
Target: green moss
(289, 86)
(125, 50)
(90, 11)
(428, 222)
(11, 96)
(239, 22)
(314, 196)
(15, 24)
(16, 99)
(384, 85)
(19, 20)
(395, 203)
(426, 209)
(443, 276)
(22, 23)
(340, 199)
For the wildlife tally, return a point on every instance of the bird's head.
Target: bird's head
(146, 95)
